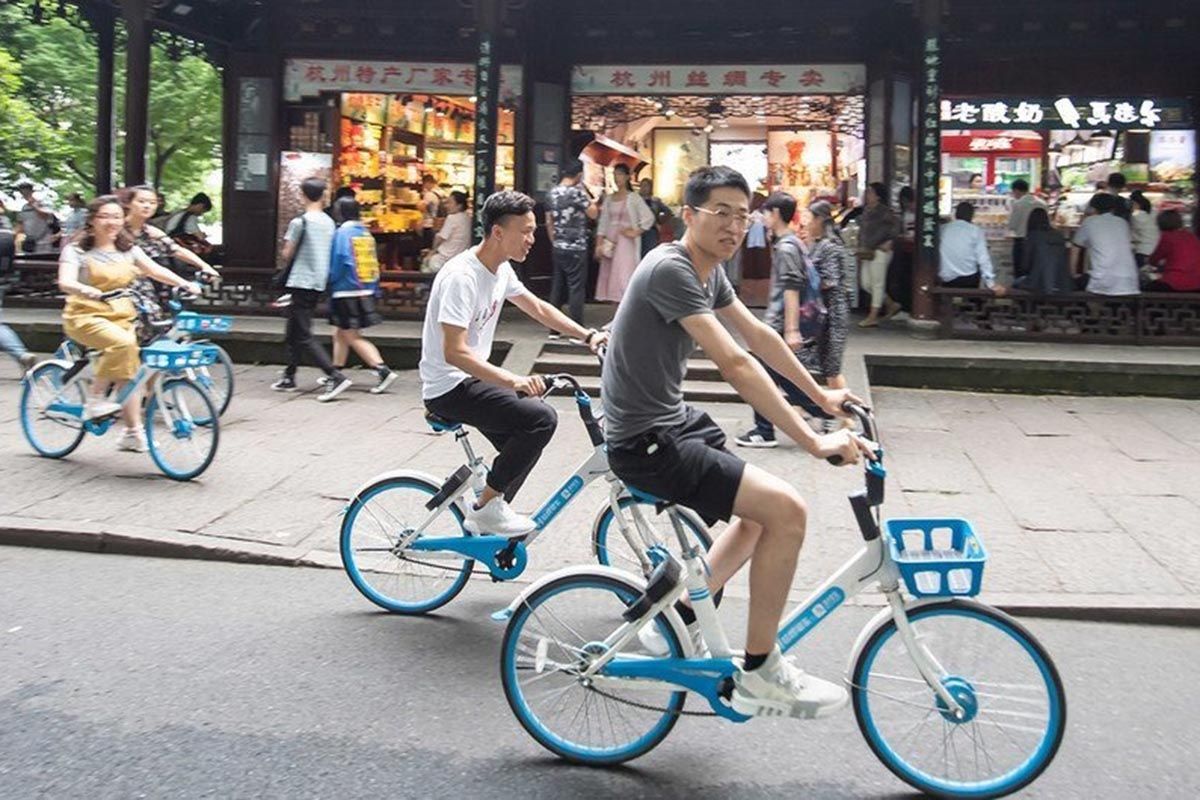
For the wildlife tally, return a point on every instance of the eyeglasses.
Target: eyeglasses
(727, 217)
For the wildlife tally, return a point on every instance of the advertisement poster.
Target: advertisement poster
(294, 167)
(1172, 156)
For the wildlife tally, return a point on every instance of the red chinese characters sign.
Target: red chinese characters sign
(304, 77)
(720, 79)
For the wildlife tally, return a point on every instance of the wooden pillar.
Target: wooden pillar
(487, 100)
(105, 25)
(135, 13)
(929, 160)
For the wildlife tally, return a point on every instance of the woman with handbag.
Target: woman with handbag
(623, 218)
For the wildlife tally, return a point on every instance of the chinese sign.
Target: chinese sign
(486, 123)
(307, 77)
(1066, 113)
(929, 149)
(720, 79)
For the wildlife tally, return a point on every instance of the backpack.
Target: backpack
(813, 313)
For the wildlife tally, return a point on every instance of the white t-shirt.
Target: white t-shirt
(430, 202)
(1112, 269)
(468, 295)
(455, 234)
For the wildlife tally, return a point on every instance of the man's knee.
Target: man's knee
(538, 419)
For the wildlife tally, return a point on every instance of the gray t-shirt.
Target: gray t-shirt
(310, 269)
(789, 270)
(642, 380)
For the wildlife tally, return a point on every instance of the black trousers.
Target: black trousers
(299, 333)
(519, 427)
(794, 397)
(1018, 255)
(570, 279)
(963, 282)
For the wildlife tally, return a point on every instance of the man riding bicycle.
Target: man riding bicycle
(662, 446)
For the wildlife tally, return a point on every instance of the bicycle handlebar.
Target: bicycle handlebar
(865, 418)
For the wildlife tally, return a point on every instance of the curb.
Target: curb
(1137, 610)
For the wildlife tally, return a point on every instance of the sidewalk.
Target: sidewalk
(1083, 503)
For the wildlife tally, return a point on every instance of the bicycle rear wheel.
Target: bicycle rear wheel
(551, 638)
(405, 582)
(51, 415)
(217, 379)
(182, 428)
(1013, 701)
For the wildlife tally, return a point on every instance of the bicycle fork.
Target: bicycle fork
(925, 662)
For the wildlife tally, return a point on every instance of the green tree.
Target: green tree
(185, 124)
(27, 144)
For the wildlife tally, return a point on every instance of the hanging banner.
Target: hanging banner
(1078, 112)
(308, 77)
(929, 154)
(719, 79)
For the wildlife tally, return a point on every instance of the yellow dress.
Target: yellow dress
(106, 326)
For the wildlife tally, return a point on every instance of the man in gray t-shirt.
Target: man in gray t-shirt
(662, 446)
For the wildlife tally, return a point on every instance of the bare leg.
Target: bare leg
(341, 348)
(367, 351)
(131, 410)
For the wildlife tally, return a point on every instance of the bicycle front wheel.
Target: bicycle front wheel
(217, 379)
(51, 415)
(182, 428)
(551, 639)
(402, 581)
(1014, 706)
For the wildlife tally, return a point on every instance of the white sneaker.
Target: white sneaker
(94, 409)
(779, 688)
(334, 390)
(656, 644)
(133, 441)
(498, 517)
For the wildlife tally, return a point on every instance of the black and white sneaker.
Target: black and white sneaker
(285, 384)
(334, 390)
(554, 336)
(386, 378)
(754, 438)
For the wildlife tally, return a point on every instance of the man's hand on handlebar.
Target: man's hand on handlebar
(844, 447)
(531, 385)
(599, 342)
(833, 401)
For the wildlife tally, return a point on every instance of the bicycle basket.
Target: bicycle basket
(174, 356)
(192, 322)
(937, 557)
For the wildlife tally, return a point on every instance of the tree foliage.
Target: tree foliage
(48, 89)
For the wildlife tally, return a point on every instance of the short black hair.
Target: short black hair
(460, 197)
(881, 191)
(428, 176)
(1116, 181)
(975, 175)
(504, 204)
(964, 211)
(314, 188)
(1103, 203)
(571, 168)
(346, 209)
(1039, 220)
(23, 185)
(782, 202)
(906, 193)
(201, 199)
(1170, 220)
(1020, 185)
(343, 191)
(702, 180)
(1141, 201)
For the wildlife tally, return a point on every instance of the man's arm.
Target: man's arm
(546, 314)
(550, 226)
(766, 344)
(753, 384)
(985, 260)
(791, 319)
(458, 354)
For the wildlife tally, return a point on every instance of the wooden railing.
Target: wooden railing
(1150, 318)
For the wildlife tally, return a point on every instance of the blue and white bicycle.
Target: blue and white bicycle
(405, 548)
(956, 698)
(181, 420)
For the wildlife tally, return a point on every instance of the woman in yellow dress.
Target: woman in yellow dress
(102, 258)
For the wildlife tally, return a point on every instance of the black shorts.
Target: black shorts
(353, 313)
(686, 464)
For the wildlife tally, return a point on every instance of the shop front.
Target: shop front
(796, 128)
(1065, 148)
(379, 128)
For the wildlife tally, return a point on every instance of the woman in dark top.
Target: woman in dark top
(1044, 258)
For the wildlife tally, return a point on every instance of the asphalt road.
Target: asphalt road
(129, 677)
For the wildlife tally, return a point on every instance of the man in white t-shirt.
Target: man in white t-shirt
(1112, 269)
(458, 382)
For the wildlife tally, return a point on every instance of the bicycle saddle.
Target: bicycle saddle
(439, 423)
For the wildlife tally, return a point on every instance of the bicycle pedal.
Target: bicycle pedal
(663, 581)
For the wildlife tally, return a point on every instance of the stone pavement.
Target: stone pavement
(1082, 502)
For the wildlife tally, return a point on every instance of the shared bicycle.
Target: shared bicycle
(956, 698)
(405, 548)
(182, 421)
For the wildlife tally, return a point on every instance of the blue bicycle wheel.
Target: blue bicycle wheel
(551, 638)
(51, 415)
(401, 581)
(182, 428)
(217, 378)
(1013, 703)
